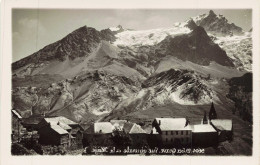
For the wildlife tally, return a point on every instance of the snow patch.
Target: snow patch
(239, 49)
(149, 37)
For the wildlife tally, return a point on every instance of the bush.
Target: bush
(18, 149)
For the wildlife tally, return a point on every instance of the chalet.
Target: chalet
(64, 128)
(173, 131)
(204, 135)
(52, 134)
(97, 133)
(137, 135)
(224, 127)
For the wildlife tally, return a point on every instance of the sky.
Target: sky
(32, 29)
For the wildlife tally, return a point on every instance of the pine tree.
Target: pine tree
(212, 112)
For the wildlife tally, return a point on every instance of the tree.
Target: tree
(121, 139)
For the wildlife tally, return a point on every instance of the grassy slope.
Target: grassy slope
(213, 69)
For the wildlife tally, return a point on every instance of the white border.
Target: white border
(5, 72)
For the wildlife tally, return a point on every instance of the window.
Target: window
(171, 139)
(187, 140)
(176, 132)
(166, 140)
(166, 133)
(187, 132)
(172, 132)
(181, 132)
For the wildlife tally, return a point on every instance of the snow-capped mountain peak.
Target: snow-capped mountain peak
(217, 24)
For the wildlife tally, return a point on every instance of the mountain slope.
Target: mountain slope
(80, 43)
(196, 47)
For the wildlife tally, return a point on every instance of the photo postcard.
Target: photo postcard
(142, 82)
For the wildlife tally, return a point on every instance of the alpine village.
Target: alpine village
(60, 135)
(185, 89)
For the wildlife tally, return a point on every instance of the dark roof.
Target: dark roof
(127, 127)
(32, 120)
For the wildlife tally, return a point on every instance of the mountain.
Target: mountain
(196, 47)
(80, 43)
(230, 37)
(92, 75)
(217, 24)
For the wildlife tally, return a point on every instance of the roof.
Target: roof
(58, 129)
(203, 128)
(32, 120)
(127, 127)
(119, 124)
(167, 124)
(136, 129)
(103, 127)
(64, 126)
(55, 120)
(222, 124)
(17, 114)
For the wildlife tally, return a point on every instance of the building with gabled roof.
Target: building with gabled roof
(52, 134)
(222, 124)
(132, 128)
(103, 128)
(224, 127)
(173, 131)
(66, 131)
(204, 135)
(58, 129)
(61, 119)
